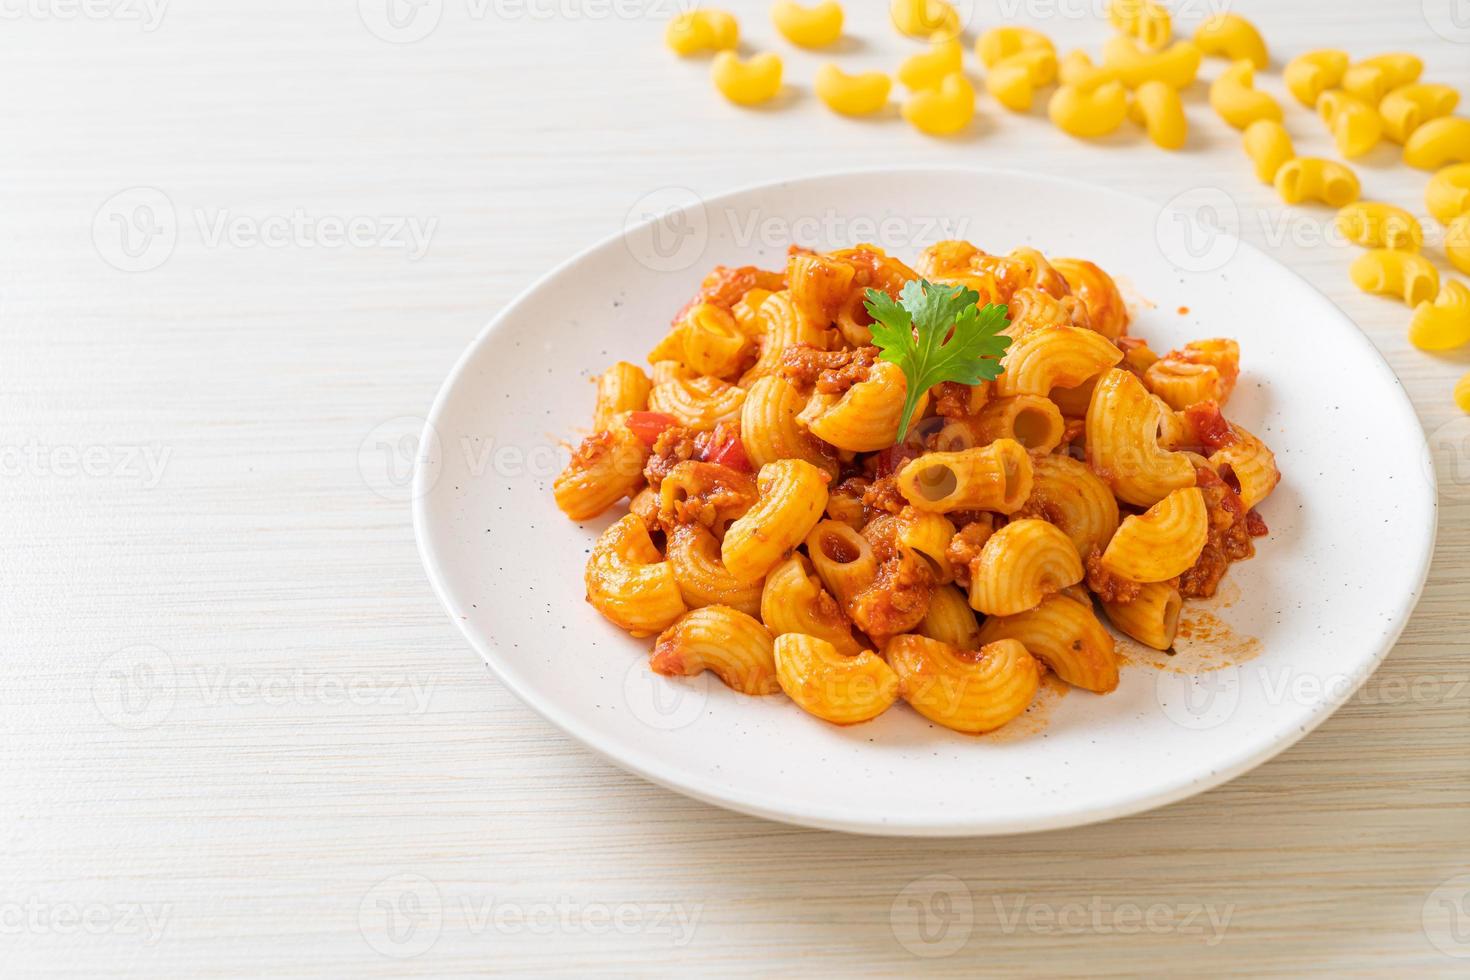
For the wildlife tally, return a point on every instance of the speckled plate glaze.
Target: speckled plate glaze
(1352, 525)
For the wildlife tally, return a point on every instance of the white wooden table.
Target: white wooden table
(238, 734)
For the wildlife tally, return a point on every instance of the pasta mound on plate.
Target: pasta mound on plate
(781, 534)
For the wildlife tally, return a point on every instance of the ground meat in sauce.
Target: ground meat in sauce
(1207, 428)
(1256, 524)
(712, 494)
(1107, 586)
(1039, 508)
(673, 446)
(592, 449)
(965, 547)
(887, 462)
(1229, 537)
(883, 497)
(952, 400)
(899, 596)
(725, 286)
(829, 372)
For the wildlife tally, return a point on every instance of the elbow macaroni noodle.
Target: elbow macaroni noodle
(1356, 126)
(1162, 542)
(928, 68)
(1444, 323)
(809, 27)
(1022, 564)
(1159, 109)
(944, 110)
(852, 95)
(1089, 111)
(1393, 272)
(1268, 146)
(1176, 66)
(1143, 20)
(1373, 78)
(706, 29)
(1307, 76)
(1232, 36)
(1408, 107)
(844, 689)
(1315, 179)
(1064, 634)
(1123, 447)
(793, 494)
(1373, 224)
(1457, 243)
(779, 537)
(735, 647)
(1013, 81)
(1236, 100)
(747, 83)
(1439, 142)
(960, 692)
(1152, 618)
(922, 19)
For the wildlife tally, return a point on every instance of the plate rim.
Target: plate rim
(768, 809)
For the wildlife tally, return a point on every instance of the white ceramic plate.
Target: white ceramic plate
(1352, 524)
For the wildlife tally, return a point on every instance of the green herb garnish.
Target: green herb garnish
(937, 333)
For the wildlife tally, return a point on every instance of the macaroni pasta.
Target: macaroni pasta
(785, 535)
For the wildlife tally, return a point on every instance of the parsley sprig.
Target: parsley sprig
(937, 333)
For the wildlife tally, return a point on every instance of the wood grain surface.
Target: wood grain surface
(238, 735)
